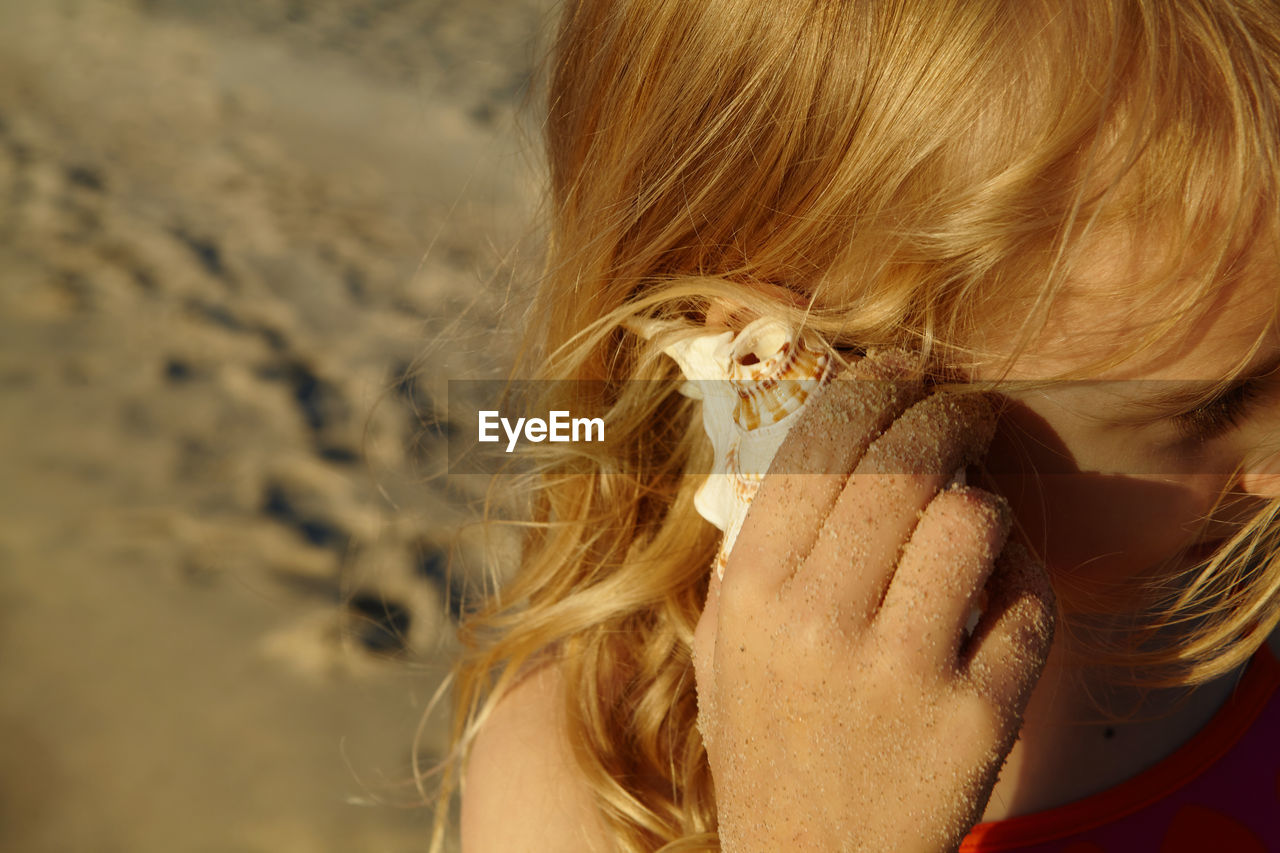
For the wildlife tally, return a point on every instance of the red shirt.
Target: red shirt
(1219, 793)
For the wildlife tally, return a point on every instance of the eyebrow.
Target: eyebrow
(1189, 394)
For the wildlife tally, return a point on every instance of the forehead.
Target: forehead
(1107, 305)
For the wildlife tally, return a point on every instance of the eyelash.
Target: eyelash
(1218, 416)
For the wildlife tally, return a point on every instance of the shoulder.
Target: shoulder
(521, 789)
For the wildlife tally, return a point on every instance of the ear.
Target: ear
(734, 315)
(719, 314)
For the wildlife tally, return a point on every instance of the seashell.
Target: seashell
(773, 374)
(745, 483)
(753, 387)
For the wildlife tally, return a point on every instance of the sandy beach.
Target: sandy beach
(242, 248)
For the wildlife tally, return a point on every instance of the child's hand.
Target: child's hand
(842, 703)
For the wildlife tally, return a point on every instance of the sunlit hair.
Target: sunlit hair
(904, 172)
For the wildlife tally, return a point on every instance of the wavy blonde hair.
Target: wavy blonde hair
(881, 172)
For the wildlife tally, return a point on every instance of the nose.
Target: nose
(1263, 478)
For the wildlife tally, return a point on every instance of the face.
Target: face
(1110, 483)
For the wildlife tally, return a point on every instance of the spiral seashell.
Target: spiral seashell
(773, 374)
(745, 483)
(722, 558)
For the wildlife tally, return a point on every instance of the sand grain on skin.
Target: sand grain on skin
(899, 779)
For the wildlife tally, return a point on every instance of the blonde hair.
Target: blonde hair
(896, 172)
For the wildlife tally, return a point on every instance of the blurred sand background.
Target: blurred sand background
(242, 245)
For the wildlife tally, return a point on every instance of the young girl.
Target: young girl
(932, 198)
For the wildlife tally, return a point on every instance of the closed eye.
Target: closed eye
(1220, 415)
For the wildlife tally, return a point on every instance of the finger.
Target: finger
(704, 660)
(704, 633)
(1004, 657)
(813, 462)
(879, 507)
(941, 576)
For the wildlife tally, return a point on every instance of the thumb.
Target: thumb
(704, 664)
(704, 635)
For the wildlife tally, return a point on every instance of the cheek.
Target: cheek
(1097, 531)
(1108, 528)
